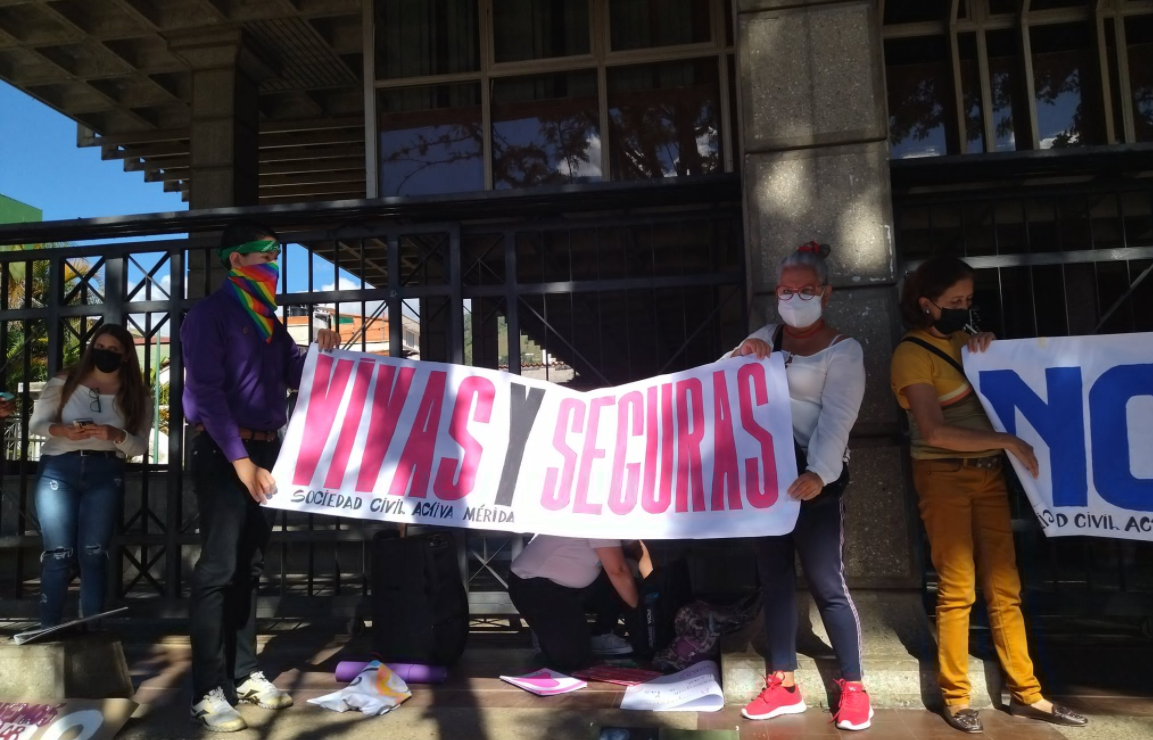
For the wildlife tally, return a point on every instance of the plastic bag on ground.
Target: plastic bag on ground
(375, 690)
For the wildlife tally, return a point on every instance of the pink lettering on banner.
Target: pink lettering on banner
(656, 498)
(690, 432)
(388, 399)
(623, 493)
(347, 438)
(761, 497)
(589, 454)
(726, 475)
(323, 401)
(557, 496)
(415, 464)
(444, 486)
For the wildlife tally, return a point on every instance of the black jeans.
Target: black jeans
(556, 614)
(234, 532)
(819, 538)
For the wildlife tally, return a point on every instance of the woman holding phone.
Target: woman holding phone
(95, 415)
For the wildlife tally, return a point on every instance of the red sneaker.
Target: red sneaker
(854, 713)
(775, 700)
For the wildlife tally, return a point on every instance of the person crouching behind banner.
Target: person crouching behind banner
(94, 416)
(826, 376)
(550, 586)
(239, 364)
(961, 489)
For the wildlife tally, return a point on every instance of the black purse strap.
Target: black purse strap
(937, 351)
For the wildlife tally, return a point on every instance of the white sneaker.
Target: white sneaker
(216, 714)
(610, 644)
(263, 693)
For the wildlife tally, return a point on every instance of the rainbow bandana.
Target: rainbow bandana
(255, 287)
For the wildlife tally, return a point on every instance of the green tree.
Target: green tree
(28, 286)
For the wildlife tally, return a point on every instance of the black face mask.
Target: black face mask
(954, 320)
(106, 360)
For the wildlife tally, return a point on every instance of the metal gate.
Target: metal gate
(1053, 260)
(588, 300)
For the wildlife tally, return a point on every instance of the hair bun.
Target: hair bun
(820, 250)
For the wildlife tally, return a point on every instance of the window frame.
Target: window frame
(978, 20)
(601, 58)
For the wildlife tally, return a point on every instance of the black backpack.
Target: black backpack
(662, 594)
(419, 603)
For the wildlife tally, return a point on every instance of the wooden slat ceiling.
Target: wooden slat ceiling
(106, 64)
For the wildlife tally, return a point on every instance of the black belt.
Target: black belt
(95, 453)
(989, 462)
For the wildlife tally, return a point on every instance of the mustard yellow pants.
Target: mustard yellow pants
(966, 515)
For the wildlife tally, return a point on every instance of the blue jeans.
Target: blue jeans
(78, 501)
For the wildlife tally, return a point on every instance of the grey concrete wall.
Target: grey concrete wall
(816, 164)
(224, 131)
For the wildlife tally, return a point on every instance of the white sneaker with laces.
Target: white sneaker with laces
(263, 693)
(216, 714)
(610, 644)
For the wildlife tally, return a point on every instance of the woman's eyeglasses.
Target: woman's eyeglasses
(806, 293)
(95, 396)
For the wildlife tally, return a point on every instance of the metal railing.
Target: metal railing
(1060, 260)
(616, 297)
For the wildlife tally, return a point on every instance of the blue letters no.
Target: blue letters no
(1061, 423)
(1112, 454)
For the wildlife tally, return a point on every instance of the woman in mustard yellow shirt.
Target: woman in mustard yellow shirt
(961, 491)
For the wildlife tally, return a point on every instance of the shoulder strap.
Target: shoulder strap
(937, 351)
(778, 337)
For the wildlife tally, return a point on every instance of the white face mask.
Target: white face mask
(800, 314)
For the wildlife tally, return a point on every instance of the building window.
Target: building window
(545, 130)
(540, 29)
(971, 93)
(664, 120)
(915, 11)
(555, 94)
(1005, 81)
(409, 339)
(1066, 86)
(1139, 39)
(1054, 99)
(419, 38)
(430, 139)
(920, 121)
(640, 24)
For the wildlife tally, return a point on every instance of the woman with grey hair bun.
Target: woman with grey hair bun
(826, 377)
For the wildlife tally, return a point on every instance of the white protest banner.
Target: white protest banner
(703, 453)
(69, 719)
(1085, 404)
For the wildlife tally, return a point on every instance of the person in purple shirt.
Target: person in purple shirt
(239, 363)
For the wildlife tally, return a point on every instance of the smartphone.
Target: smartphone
(83, 423)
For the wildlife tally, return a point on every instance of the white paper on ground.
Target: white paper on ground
(695, 689)
(545, 682)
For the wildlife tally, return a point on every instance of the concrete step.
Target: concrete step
(899, 658)
(892, 683)
(85, 666)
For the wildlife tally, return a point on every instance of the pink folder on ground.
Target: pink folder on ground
(545, 682)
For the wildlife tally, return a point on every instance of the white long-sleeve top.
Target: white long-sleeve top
(825, 394)
(79, 406)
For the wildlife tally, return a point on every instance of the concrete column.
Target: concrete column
(816, 166)
(225, 126)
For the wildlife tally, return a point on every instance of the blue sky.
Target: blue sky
(41, 165)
